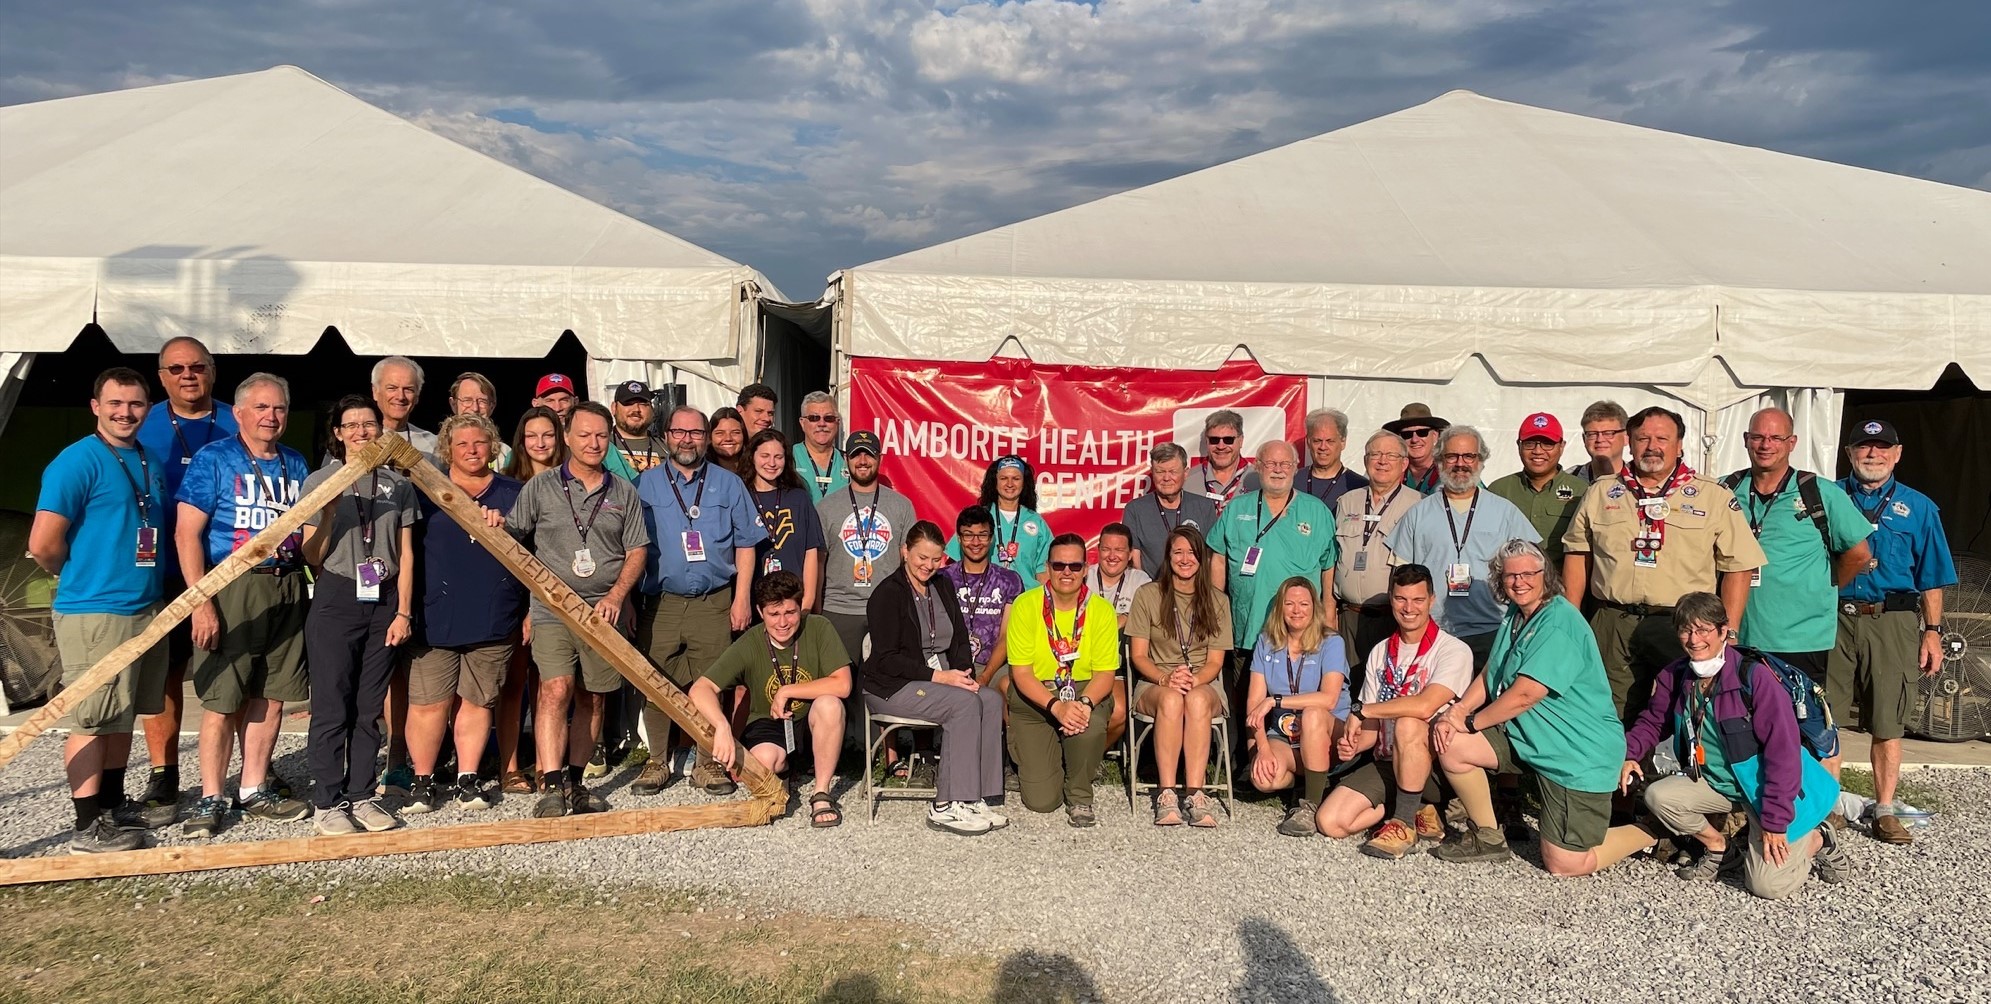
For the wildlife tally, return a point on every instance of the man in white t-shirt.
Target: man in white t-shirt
(1411, 677)
(1116, 579)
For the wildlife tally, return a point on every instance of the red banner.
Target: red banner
(1085, 430)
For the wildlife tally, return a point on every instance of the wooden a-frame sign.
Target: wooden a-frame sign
(768, 795)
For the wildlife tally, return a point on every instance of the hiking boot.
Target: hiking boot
(1010, 782)
(398, 780)
(1889, 830)
(103, 836)
(956, 818)
(1081, 815)
(1476, 844)
(422, 795)
(656, 775)
(373, 816)
(266, 804)
(580, 800)
(1708, 867)
(133, 815)
(471, 793)
(597, 763)
(706, 773)
(205, 818)
(273, 781)
(1168, 808)
(1299, 821)
(1429, 826)
(1831, 864)
(1390, 841)
(336, 821)
(163, 789)
(552, 802)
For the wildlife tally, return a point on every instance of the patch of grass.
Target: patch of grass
(1916, 793)
(460, 938)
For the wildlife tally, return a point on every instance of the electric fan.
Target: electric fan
(1955, 703)
(29, 668)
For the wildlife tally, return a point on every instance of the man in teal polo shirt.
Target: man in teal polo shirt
(1545, 493)
(818, 462)
(1794, 598)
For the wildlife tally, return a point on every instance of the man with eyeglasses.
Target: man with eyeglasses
(696, 592)
(1264, 538)
(1223, 475)
(173, 433)
(473, 393)
(1419, 429)
(397, 386)
(1326, 478)
(1166, 506)
(1603, 425)
(1363, 521)
(1544, 492)
(1455, 533)
(817, 460)
(1643, 539)
(1891, 614)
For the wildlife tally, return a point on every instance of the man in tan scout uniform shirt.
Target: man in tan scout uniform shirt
(1363, 519)
(1645, 538)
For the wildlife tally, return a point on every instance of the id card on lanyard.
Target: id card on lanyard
(866, 522)
(370, 571)
(146, 552)
(1459, 577)
(1254, 552)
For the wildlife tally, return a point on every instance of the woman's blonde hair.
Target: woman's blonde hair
(1317, 632)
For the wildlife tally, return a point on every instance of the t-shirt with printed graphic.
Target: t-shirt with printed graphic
(1022, 542)
(984, 598)
(793, 530)
(84, 485)
(639, 453)
(816, 653)
(860, 524)
(242, 495)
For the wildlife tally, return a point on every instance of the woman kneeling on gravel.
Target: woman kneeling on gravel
(1179, 631)
(1735, 732)
(921, 667)
(1064, 647)
(1298, 696)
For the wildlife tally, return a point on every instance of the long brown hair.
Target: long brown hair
(521, 465)
(1203, 595)
(1316, 633)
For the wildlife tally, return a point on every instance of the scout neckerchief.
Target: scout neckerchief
(1005, 554)
(1426, 482)
(1403, 680)
(1066, 649)
(649, 453)
(187, 449)
(1652, 507)
(1229, 490)
(787, 679)
(1768, 502)
(147, 553)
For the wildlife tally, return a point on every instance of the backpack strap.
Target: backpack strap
(1814, 506)
(1731, 480)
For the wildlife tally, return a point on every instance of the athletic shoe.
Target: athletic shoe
(655, 777)
(706, 773)
(1476, 844)
(398, 780)
(1168, 808)
(1429, 826)
(273, 781)
(996, 820)
(1390, 841)
(102, 836)
(597, 763)
(1198, 810)
(1299, 821)
(1831, 863)
(266, 804)
(374, 816)
(1889, 830)
(1010, 782)
(552, 802)
(205, 819)
(956, 818)
(1081, 815)
(421, 795)
(163, 789)
(1708, 867)
(133, 815)
(336, 821)
(580, 800)
(471, 793)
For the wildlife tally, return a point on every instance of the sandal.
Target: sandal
(1168, 811)
(824, 812)
(518, 782)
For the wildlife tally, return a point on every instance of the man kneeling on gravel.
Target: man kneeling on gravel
(797, 674)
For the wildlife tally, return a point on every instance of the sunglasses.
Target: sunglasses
(819, 418)
(1222, 440)
(1420, 433)
(1067, 566)
(176, 369)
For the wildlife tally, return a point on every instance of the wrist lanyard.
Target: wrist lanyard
(139, 488)
(1371, 518)
(691, 511)
(1458, 542)
(1756, 518)
(566, 488)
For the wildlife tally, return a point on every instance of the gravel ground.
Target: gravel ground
(1241, 913)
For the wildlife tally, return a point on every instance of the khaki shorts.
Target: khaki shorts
(1379, 788)
(555, 652)
(474, 672)
(1876, 663)
(1142, 686)
(261, 650)
(82, 640)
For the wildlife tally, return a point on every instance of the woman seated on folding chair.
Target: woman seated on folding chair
(920, 666)
(1180, 631)
(1298, 698)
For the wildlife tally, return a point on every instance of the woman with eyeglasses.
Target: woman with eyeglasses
(794, 532)
(362, 608)
(538, 446)
(726, 443)
(1064, 649)
(1296, 700)
(921, 666)
(1022, 538)
(1179, 633)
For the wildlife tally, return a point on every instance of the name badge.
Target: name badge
(184, 461)
(1251, 555)
(822, 482)
(1645, 559)
(148, 547)
(1755, 577)
(584, 563)
(1372, 517)
(694, 545)
(770, 566)
(369, 580)
(1459, 579)
(1361, 561)
(860, 572)
(788, 734)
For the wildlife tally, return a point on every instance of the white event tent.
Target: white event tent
(255, 211)
(1490, 259)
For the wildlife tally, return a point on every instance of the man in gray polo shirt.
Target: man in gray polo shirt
(587, 529)
(1166, 506)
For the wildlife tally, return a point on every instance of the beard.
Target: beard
(687, 456)
(1871, 473)
(1459, 481)
(1653, 466)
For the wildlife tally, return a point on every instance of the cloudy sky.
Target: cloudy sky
(801, 136)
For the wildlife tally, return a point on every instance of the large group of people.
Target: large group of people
(1381, 642)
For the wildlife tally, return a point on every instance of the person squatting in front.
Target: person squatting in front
(1297, 696)
(1064, 649)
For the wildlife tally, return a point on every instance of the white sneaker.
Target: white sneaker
(996, 820)
(370, 815)
(334, 822)
(957, 818)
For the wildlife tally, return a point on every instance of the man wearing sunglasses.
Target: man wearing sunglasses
(1223, 475)
(817, 461)
(1544, 492)
(174, 431)
(1420, 430)
(1604, 437)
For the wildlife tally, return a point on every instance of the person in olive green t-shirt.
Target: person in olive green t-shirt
(797, 674)
(1545, 493)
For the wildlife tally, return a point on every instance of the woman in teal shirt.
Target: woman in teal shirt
(1022, 538)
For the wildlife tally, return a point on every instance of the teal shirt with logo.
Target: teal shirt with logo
(1301, 542)
(1572, 736)
(1796, 606)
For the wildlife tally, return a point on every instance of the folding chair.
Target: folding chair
(874, 748)
(1139, 726)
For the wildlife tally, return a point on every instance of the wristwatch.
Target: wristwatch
(1936, 628)
(1355, 709)
(1472, 726)
(1278, 700)
(1087, 701)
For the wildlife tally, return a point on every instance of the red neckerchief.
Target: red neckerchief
(1652, 506)
(1065, 646)
(1401, 682)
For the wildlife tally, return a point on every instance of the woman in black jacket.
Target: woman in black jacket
(920, 667)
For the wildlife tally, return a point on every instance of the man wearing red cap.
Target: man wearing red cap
(556, 392)
(1543, 491)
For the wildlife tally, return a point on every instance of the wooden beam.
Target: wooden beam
(249, 555)
(209, 857)
(577, 614)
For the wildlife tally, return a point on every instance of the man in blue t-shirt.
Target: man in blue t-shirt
(250, 636)
(183, 421)
(97, 528)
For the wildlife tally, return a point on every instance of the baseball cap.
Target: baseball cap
(1874, 431)
(862, 441)
(1540, 425)
(552, 382)
(631, 390)
(1415, 416)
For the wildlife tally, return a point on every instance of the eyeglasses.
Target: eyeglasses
(1379, 455)
(1603, 433)
(475, 402)
(1278, 465)
(819, 419)
(1222, 440)
(1459, 458)
(358, 426)
(1539, 446)
(1067, 566)
(1520, 576)
(686, 433)
(976, 535)
(1752, 439)
(197, 369)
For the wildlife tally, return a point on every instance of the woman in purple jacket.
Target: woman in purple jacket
(1739, 749)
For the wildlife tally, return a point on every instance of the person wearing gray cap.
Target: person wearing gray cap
(862, 526)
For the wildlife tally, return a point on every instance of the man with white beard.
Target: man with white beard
(1891, 614)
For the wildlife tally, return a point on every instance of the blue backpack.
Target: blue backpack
(1814, 716)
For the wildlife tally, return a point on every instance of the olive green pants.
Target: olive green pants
(1052, 768)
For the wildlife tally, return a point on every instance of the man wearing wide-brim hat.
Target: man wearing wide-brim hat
(1419, 429)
